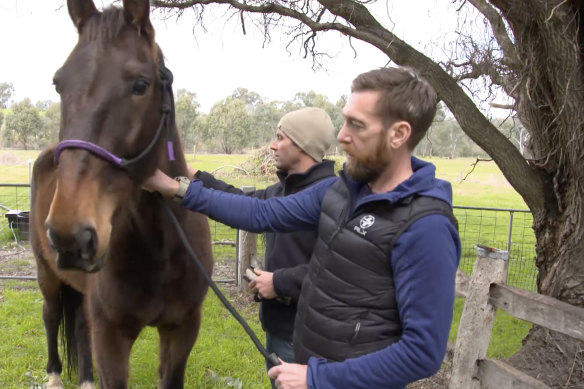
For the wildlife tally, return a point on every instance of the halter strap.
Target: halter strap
(91, 147)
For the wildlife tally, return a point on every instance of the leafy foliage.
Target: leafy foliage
(23, 126)
(228, 126)
(6, 92)
(51, 120)
(186, 114)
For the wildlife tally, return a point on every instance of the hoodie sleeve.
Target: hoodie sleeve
(424, 263)
(209, 181)
(296, 212)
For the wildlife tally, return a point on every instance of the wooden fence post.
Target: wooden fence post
(246, 250)
(477, 317)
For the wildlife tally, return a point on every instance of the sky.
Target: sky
(37, 36)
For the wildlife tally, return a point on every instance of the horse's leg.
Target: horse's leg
(111, 349)
(175, 346)
(52, 309)
(84, 360)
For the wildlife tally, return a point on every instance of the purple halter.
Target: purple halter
(166, 80)
(91, 147)
(101, 152)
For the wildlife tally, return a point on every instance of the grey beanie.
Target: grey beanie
(311, 129)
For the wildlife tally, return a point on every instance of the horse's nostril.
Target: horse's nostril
(50, 238)
(87, 242)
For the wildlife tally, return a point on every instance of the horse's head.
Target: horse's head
(112, 94)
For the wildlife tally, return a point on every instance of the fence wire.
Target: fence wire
(505, 229)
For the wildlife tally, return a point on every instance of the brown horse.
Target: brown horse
(109, 260)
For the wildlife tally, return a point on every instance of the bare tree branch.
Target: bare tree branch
(502, 106)
(499, 30)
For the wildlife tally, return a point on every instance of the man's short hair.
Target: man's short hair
(403, 96)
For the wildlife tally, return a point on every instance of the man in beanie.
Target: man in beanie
(302, 138)
(375, 307)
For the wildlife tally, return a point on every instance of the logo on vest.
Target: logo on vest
(365, 222)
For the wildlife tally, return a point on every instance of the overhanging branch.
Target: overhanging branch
(360, 24)
(499, 30)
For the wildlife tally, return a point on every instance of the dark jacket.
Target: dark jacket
(287, 254)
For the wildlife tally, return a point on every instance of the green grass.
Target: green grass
(506, 336)
(222, 349)
(223, 352)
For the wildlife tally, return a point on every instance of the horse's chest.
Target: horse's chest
(145, 303)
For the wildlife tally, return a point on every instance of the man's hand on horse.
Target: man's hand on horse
(263, 284)
(160, 182)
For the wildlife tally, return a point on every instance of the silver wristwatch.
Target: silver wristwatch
(183, 185)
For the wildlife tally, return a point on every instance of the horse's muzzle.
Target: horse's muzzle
(76, 251)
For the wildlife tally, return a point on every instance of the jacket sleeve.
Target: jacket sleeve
(296, 212)
(288, 281)
(424, 262)
(209, 181)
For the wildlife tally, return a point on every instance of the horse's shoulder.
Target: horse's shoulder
(44, 163)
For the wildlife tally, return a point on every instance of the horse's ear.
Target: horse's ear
(80, 11)
(137, 12)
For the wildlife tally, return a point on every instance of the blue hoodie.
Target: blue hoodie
(424, 261)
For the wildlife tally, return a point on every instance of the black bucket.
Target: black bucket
(18, 223)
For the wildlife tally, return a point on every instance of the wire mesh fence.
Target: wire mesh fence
(14, 205)
(506, 229)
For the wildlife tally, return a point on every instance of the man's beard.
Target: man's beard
(371, 167)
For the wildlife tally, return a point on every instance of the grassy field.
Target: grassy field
(223, 356)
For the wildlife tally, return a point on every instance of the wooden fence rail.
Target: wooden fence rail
(485, 291)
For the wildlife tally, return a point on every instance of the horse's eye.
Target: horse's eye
(140, 86)
(57, 89)
(56, 82)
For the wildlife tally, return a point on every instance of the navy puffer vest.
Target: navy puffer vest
(347, 305)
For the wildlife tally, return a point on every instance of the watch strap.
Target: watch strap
(183, 185)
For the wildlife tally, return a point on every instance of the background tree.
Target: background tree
(43, 105)
(186, 114)
(313, 99)
(264, 121)
(228, 125)
(6, 92)
(531, 50)
(51, 122)
(338, 118)
(23, 125)
(263, 117)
